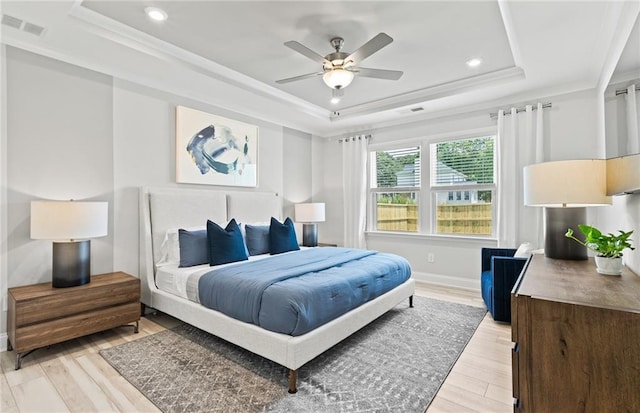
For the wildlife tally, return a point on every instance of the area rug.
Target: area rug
(395, 364)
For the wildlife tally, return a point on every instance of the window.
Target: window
(395, 189)
(465, 166)
(460, 195)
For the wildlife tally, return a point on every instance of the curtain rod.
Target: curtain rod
(624, 91)
(353, 138)
(518, 110)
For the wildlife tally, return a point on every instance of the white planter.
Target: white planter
(609, 266)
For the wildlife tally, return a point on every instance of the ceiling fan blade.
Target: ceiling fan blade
(304, 50)
(376, 43)
(296, 78)
(377, 73)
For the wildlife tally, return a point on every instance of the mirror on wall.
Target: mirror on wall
(623, 175)
(622, 117)
(622, 97)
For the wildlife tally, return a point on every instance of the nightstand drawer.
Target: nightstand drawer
(51, 303)
(62, 329)
(39, 315)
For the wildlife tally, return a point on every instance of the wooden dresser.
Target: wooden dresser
(576, 337)
(40, 315)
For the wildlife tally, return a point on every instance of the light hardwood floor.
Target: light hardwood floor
(72, 376)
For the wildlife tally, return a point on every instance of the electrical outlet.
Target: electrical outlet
(431, 257)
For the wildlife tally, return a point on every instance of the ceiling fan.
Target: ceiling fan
(339, 68)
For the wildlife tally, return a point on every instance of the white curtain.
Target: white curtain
(520, 142)
(354, 179)
(633, 140)
(507, 172)
(537, 212)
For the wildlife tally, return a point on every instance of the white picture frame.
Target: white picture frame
(214, 150)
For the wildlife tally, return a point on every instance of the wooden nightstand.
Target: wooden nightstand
(40, 315)
(326, 244)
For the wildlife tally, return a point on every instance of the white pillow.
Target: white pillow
(170, 247)
(524, 250)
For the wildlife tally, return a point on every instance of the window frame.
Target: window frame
(427, 194)
(460, 188)
(372, 216)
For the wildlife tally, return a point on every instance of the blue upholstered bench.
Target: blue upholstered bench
(500, 270)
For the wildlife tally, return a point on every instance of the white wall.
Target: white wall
(297, 173)
(328, 189)
(571, 129)
(75, 133)
(59, 120)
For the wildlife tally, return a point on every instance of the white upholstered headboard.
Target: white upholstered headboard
(165, 208)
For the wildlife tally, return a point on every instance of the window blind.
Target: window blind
(398, 168)
(464, 161)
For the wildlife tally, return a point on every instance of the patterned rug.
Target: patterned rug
(395, 364)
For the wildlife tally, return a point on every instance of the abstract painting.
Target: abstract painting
(215, 150)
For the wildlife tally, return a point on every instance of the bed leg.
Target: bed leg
(293, 378)
(411, 301)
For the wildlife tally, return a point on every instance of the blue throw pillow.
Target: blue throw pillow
(282, 237)
(257, 238)
(194, 247)
(225, 244)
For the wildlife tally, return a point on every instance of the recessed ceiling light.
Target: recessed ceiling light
(335, 100)
(475, 62)
(156, 14)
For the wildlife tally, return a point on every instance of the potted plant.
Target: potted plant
(608, 247)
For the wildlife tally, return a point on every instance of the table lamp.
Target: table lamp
(309, 214)
(565, 189)
(69, 224)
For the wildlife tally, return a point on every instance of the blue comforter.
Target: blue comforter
(296, 292)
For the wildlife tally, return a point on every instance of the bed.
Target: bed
(164, 209)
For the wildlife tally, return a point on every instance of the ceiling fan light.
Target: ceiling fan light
(337, 78)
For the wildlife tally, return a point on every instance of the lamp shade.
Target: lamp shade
(573, 183)
(338, 78)
(312, 212)
(68, 220)
(623, 175)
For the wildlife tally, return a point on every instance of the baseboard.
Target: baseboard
(3, 341)
(447, 280)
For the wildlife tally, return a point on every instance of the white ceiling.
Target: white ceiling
(529, 50)
(249, 38)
